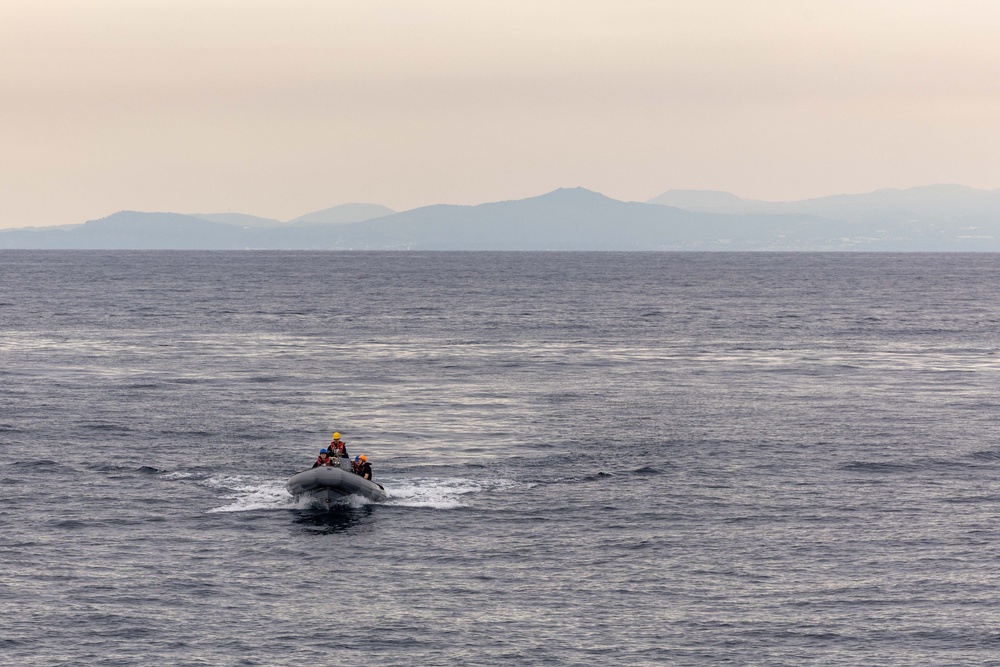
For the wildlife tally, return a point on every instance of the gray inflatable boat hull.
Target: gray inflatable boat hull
(329, 484)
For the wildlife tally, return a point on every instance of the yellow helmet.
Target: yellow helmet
(363, 457)
(336, 436)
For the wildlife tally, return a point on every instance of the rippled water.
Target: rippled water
(593, 459)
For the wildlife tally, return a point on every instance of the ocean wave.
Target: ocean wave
(249, 494)
(117, 471)
(176, 475)
(443, 492)
(877, 467)
(40, 463)
(437, 493)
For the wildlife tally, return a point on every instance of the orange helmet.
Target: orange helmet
(363, 457)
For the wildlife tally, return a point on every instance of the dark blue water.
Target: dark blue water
(593, 459)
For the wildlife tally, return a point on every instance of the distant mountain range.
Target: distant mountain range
(336, 215)
(932, 218)
(934, 202)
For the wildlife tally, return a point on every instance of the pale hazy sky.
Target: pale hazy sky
(280, 108)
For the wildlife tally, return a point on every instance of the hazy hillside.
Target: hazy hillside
(579, 219)
(131, 230)
(343, 213)
(942, 218)
(933, 202)
(566, 219)
(239, 219)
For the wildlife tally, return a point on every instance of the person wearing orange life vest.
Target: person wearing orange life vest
(337, 447)
(364, 468)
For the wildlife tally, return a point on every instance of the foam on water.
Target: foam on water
(249, 494)
(439, 493)
(176, 475)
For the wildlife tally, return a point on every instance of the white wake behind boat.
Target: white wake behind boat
(330, 483)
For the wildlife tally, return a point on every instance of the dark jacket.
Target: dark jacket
(365, 470)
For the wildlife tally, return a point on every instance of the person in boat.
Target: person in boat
(323, 459)
(364, 468)
(337, 447)
(355, 463)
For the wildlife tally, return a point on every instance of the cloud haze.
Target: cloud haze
(277, 109)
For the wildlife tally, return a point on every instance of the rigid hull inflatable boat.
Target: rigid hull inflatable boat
(327, 484)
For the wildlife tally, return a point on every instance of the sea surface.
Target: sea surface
(592, 458)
